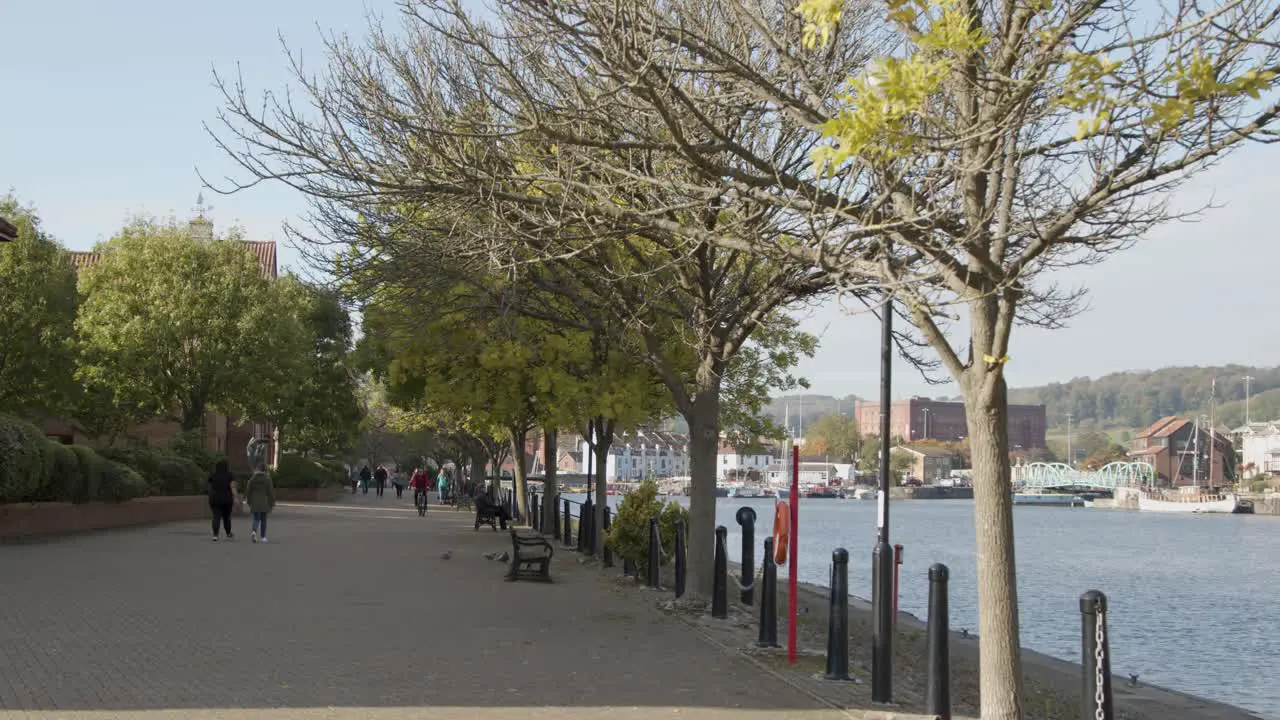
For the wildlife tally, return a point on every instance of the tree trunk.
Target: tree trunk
(704, 438)
(1000, 665)
(520, 485)
(551, 490)
(604, 440)
(193, 416)
(480, 459)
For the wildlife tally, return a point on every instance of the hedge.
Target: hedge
(294, 471)
(164, 473)
(34, 468)
(26, 461)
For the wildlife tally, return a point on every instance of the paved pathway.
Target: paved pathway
(349, 613)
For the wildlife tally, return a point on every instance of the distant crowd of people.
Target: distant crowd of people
(422, 481)
(260, 497)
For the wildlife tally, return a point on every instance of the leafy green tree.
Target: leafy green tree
(320, 411)
(835, 435)
(37, 318)
(176, 326)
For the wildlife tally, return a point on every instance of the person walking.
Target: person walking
(260, 494)
(221, 498)
(442, 486)
(380, 479)
(366, 476)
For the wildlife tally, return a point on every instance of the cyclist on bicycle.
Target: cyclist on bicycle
(419, 483)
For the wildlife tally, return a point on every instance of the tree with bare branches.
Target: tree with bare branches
(443, 138)
(986, 146)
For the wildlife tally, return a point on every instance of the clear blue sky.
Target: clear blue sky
(105, 102)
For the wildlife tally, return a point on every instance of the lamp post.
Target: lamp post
(1248, 383)
(882, 556)
(1068, 439)
(926, 423)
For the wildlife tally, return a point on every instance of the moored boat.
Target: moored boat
(1224, 504)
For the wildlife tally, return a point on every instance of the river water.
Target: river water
(1193, 598)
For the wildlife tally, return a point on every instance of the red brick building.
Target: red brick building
(222, 434)
(1181, 453)
(921, 418)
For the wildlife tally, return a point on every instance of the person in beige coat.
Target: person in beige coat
(260, 495)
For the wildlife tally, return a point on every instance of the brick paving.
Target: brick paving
(349, 613)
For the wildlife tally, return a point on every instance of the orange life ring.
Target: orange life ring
(781, 531)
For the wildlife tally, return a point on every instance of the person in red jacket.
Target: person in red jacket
(419, 483)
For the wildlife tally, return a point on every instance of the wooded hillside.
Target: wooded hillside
(1118, 400)
(1136, 399)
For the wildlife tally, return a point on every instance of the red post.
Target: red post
(897, 564)
(793, 583)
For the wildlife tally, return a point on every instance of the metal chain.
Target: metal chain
(1100, 640)
(747, 587)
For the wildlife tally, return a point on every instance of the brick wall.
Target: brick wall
(33, 519)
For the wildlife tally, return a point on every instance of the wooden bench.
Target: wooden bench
(463, 501)
(528, 551)
(487, 515)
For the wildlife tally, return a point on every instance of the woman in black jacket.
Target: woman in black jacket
(221, 498)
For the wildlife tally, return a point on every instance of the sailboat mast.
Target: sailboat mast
(1195, 454)
(1213, 397)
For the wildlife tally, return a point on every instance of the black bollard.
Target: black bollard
(655, 554)
(535, 517)
(680, 557)
(768, 599)
(607, 552)
(568, 524)
(582, 528)
(838, 627)
(720, 581)
(1096, 701)
(938, 695)
(555, 519)
(747, 519)
(588, 527)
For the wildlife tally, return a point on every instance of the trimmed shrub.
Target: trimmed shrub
(66, 476)
(26, 460)
(119, 482)
(164, 473)
(629, 533)
(294, 471)
(179, 476)
(91, 466)
(144, 461)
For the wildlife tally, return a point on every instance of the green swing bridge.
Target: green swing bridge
(1060, 476)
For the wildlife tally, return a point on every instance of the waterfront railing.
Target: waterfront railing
(573, 526)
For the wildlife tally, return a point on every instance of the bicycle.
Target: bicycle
(420, 500)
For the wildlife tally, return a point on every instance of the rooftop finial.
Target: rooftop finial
(201, 226)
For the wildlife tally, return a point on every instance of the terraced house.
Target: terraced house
(221, 434)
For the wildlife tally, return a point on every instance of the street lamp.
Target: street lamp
(882, 556)
(1069, 440)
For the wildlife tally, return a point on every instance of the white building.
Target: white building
(734, 463)
(645, 454)
(1260, 447)
(779, 475)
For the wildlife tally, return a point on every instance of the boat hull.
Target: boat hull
(1225, 505)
